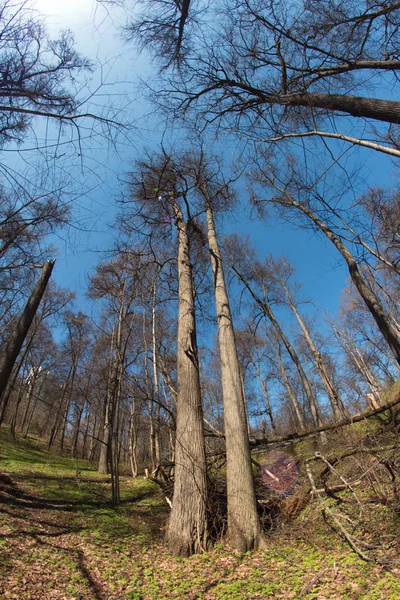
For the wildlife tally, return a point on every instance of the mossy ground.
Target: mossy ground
(60, 539)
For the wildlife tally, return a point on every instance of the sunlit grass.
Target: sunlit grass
(66, 540)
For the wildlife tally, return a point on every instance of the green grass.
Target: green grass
(61, 539)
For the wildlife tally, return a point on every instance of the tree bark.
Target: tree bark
(133, 438)
(187, 526)
(244, 529)
(387, 111)
(356, 106)
(19, 334)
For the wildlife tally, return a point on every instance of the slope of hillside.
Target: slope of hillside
(61, 539)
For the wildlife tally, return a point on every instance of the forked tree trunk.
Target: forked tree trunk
(19, 333)
(244, 529)
(187, 526)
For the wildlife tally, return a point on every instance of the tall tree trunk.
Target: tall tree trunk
(93, 442)
(13, 423)
(115, 398)
(106, 437)
(29, 394)
(335, 400)
(150, 390)
(387, 111)
(292, 396)
(19, 333)
(75, 437)
(156, 435)
(265, 394)
(35, 401)
(266, 308)
(67, 406)
(244, 529)
(187, 530)
(86, 432)
(133, 439)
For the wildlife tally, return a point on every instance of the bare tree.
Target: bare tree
(249, 271)
(280, 271)
(286, 65)
(295, 196)
(36, 71)
(244, 530)
(160, 28)
(162, 192)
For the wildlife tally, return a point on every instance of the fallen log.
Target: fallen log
(265, 442)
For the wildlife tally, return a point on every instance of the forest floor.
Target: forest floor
(60, 539)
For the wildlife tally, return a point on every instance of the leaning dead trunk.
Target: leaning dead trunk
(372, 302)
(187, 526)
(244, 530)
(17, 337)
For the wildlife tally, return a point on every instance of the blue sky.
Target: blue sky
(99, 173)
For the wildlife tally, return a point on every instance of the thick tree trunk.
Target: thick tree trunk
(244, 530)
(107, 420)
(21, 329)
(187, 527)
(5, 397)
(356, 106)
